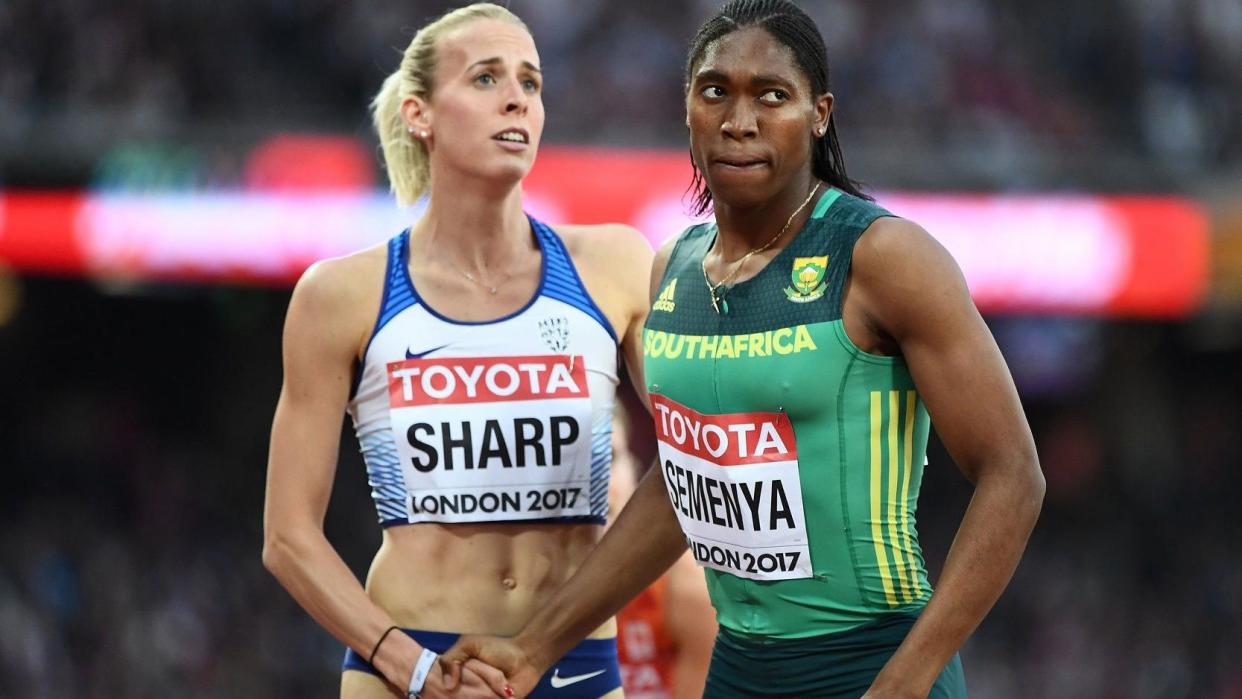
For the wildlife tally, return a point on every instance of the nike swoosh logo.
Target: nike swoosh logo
(558, 681)
(420, 355)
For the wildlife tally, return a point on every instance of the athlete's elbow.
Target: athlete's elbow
(275, 553)
(1026, 488)
(1035, 488)
(280, 550)
(1017, 485)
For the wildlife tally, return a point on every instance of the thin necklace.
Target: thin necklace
(491, 289)
(718, 302)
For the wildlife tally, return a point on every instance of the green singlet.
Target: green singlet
(792, 458)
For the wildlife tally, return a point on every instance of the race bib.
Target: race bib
(733, 481)
(492, 438)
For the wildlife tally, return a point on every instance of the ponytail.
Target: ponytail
(405, 157)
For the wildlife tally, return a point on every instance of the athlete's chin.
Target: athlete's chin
(740, 193)
(503, 174)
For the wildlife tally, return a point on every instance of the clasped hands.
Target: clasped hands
(497, 667)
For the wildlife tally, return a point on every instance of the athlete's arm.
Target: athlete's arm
(911, 295)
(691, 623)
(644, 541)
(323, 332)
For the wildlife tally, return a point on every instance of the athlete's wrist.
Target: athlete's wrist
(536, 649)
(397, 658)
(878, 692)
(422, 669)
(897, 683)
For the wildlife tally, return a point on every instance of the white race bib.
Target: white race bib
(733, 481)
(492, 438)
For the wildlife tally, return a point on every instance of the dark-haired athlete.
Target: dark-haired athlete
(796, 351)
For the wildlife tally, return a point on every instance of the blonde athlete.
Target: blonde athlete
(477, 354)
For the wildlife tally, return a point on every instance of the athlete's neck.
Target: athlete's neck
(481, 231)
(745, 228)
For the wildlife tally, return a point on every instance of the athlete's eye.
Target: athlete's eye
(712, 92)
(774, 96)
(485, 79)
(530, 85)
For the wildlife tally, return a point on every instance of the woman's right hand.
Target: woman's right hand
(478, 681)
(503, 655)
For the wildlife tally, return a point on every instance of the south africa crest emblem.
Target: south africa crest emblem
(808, 279)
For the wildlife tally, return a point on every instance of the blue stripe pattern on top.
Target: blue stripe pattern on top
(561, 281)
(398, 293)
(379, 453)
(601, 462)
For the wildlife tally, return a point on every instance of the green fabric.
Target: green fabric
(837, 666)
(860, 426)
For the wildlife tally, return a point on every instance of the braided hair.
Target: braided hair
(788, 24)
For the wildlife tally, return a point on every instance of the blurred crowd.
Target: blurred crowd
(134, 463)
(129, 564)
(134, 454)
(1010, 93)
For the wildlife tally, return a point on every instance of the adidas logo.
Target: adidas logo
(665, 301)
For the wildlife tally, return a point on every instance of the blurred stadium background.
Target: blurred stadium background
(168, 168)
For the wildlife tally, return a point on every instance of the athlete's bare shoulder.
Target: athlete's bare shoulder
(610, 248)
(341, 294)
(344, 279)
(614, 261)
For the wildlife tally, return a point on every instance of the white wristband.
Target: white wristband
(421, 669)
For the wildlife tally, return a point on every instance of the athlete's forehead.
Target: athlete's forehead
(749, 55)
(487, 42)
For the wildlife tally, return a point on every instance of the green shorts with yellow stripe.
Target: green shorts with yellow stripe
(836, 666)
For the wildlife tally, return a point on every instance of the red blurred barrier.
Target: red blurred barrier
(1124, 256)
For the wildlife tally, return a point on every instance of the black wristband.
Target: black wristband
(371, 658)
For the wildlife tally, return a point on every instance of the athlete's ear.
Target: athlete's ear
(416, 113)
(823, 111)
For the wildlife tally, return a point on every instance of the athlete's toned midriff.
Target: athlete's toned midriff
(487, 447)
(476, 578)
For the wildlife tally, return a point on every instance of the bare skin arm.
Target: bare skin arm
(907, 294)
(691, 623)
(323, 333)
(645, 540)
(611, 257)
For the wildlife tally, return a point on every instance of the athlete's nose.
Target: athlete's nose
(741, 122)
(516, 99)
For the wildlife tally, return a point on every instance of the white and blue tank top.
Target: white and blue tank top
(502, 420)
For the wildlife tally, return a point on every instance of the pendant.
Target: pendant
(715, 305)
(724, 304)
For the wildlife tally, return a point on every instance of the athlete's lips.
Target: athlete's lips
(740, 161)
(508, 134)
